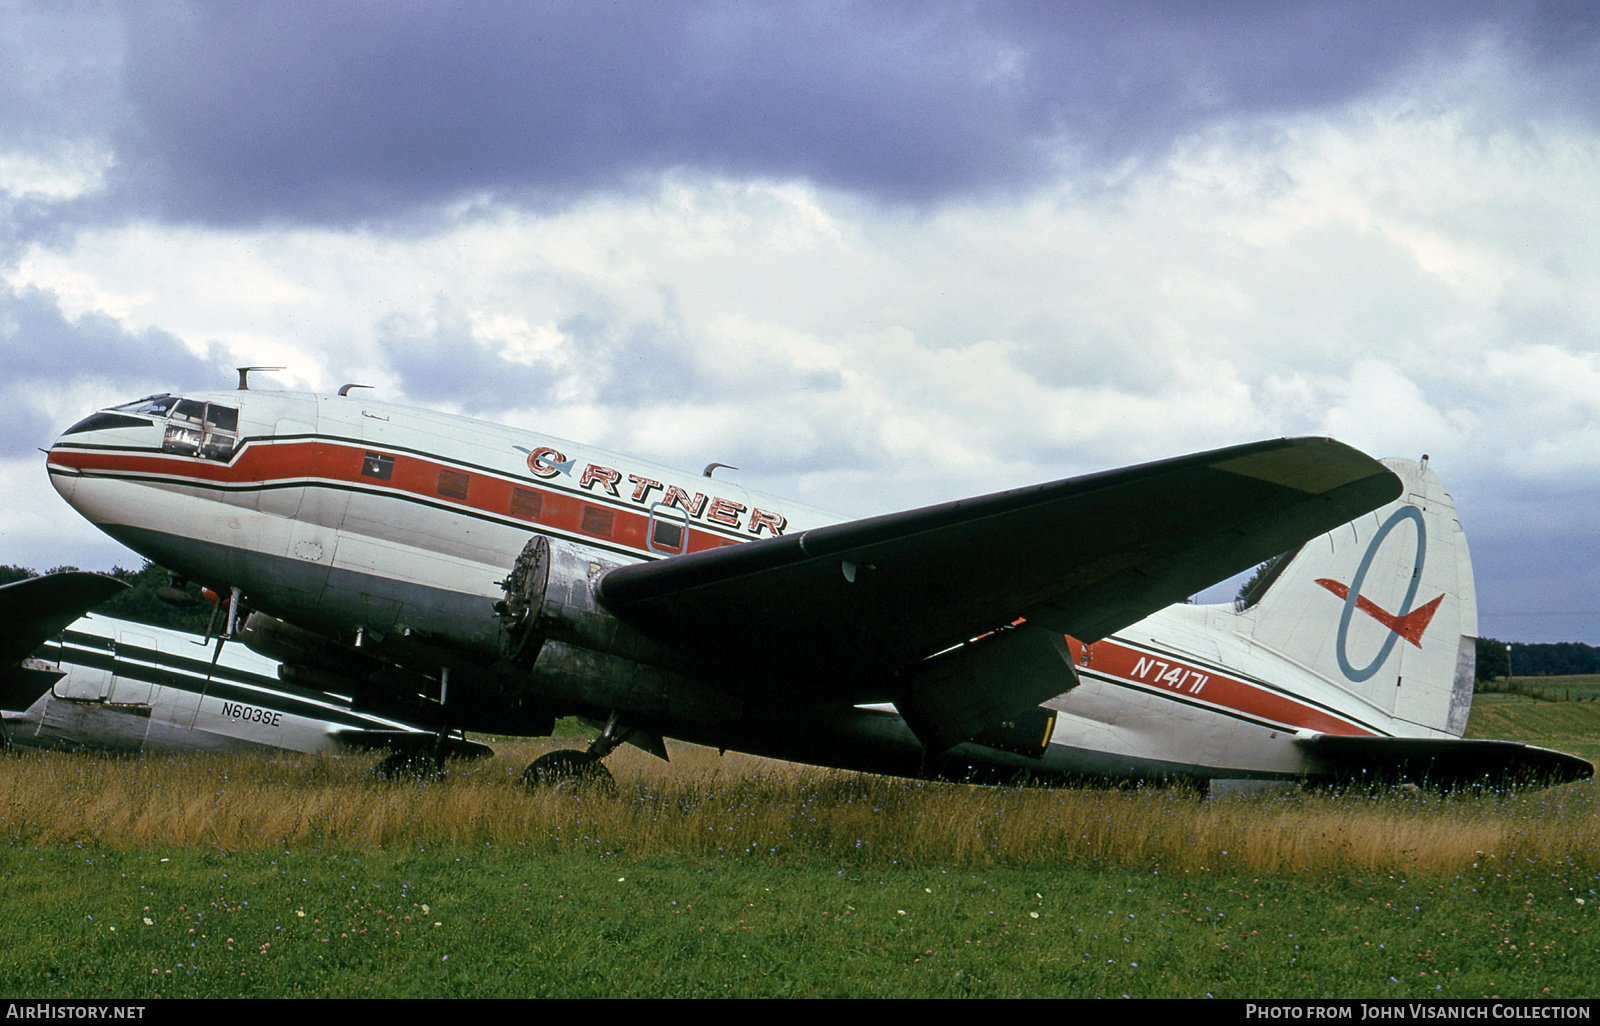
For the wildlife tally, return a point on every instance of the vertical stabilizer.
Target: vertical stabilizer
(1383, 607)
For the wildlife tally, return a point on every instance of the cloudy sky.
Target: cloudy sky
(874, 254)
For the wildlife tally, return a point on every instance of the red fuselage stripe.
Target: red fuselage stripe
(1207, 687)
(263, 464)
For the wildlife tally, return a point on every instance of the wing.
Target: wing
(839, 609)
(31, 612)
(34, 610)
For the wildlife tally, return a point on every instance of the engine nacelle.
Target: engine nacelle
(553, 627)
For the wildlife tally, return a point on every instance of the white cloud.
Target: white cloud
(38, 530)
(71, 171)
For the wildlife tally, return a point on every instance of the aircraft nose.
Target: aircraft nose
(63, 478)
(61, 461)
(76, 449)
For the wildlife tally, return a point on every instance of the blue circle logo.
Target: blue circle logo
(1354, 595)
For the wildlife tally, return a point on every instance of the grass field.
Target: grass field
(459, 920)
(1584, 687)
(1569, 726)
(301, 876)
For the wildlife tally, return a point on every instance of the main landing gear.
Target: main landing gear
(568, 770)
(571, 770)
(418, 757)
(409, 764)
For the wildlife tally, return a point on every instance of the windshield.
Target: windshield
(155, 405)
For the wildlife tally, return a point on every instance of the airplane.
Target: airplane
(466, 575)
(70, 680)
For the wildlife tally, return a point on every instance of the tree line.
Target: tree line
(1557, 659)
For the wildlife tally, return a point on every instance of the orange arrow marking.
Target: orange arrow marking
(1411, 626)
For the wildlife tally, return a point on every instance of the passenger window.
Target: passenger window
(453, 485)
(525, 504)
(597, 521)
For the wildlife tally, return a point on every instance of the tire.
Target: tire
(568, 771)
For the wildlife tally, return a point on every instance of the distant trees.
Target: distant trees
(1492, 662)
(1558, 659)
(12, 574)
(1250, 591)
(141, 604)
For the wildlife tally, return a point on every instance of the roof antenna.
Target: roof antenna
(713, 466)
(244, 375)
(345, 389)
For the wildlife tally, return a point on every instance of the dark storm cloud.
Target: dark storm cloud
(330, 111)
(336, 112)
(59, 75)
(1538, 587)
(40, 349)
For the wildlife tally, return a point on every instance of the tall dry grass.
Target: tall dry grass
(701, 804)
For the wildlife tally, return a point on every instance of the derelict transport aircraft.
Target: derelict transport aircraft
(464, 575)
(74, 681)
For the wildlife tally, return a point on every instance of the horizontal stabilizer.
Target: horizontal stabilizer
(839, 608)
(1440, 762)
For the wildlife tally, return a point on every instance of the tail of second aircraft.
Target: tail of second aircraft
(1382, 607)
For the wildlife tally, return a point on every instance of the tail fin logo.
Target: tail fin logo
(1409, 626)
(1407, 623)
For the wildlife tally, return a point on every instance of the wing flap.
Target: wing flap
(840, 608)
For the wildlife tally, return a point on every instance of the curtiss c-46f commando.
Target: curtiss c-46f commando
(465, 575)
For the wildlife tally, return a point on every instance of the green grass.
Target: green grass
(299, 876)
(456, 920)
(1584, 687)
(1572, 727)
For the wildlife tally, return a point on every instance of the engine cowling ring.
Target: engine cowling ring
(525, 587)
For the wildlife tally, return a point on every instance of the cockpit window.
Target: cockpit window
(200, 429)
(224, 418)
(155, 405)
